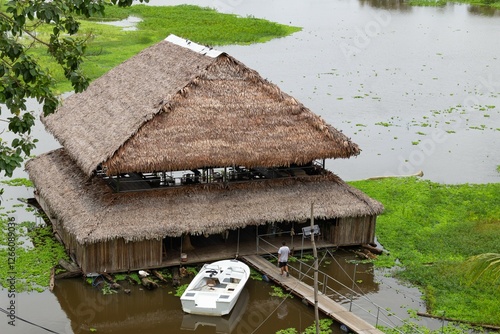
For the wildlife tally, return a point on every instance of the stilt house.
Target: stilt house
(185, 140)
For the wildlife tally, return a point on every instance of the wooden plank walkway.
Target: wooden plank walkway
(304, 291)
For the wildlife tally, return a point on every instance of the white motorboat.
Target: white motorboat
(216, 288)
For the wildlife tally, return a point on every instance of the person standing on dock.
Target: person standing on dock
(283, 253)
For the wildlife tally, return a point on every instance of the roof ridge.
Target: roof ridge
(186, 43)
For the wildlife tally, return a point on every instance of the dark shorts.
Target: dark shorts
(282, 264)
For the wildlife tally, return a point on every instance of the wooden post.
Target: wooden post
(315, 254)
(186, 243)
(238, 244)
(52, 279)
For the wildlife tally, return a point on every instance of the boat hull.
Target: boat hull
(216, 288)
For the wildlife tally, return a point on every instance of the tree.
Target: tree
(484, 265)
(22, 75)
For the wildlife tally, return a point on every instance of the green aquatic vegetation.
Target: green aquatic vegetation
(120, 277)
(498, 168)
(410, 327)
(255, 275)
(107, 290)
(135, 277)
(384, 124)
(430, 230)
(111, 45)
(18, 182)
(416, 142)
(325, 327)
(278, 292)
(192, 271)
(166, 273)
(29, 265)
(307, 257)
(360, 261)
(180, 290)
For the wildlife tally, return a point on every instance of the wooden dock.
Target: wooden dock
(304, 291)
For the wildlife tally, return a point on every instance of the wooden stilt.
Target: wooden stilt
(52, 279)
(186, 243)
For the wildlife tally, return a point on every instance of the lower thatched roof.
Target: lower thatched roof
(93, 213)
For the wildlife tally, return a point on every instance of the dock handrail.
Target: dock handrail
(325, 289)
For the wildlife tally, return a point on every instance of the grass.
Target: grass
(110, 45)
(430, 230)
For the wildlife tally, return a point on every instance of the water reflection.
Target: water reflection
(403, 6)
(343, 273)
(87, 307)
(160, 311)
(483, 10)
(225, 324)
(399, 5)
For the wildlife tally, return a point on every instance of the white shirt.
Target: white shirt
(283, 252)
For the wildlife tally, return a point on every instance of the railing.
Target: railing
(382, 316)
(161, 180)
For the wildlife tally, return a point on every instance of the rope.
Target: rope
(284, 299)
(366, 297)
(27, 321)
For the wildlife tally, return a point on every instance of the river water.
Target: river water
(416, 88)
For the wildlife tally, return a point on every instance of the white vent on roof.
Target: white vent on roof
(204, 50)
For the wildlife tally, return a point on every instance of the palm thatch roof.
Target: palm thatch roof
(179, 106)
(93, 213)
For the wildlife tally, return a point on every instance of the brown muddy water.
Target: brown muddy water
(416, 88)
(75, 306)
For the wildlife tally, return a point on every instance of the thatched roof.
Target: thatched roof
(93, 213)
(179, 106)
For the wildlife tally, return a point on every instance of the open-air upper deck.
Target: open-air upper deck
(159, 180)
